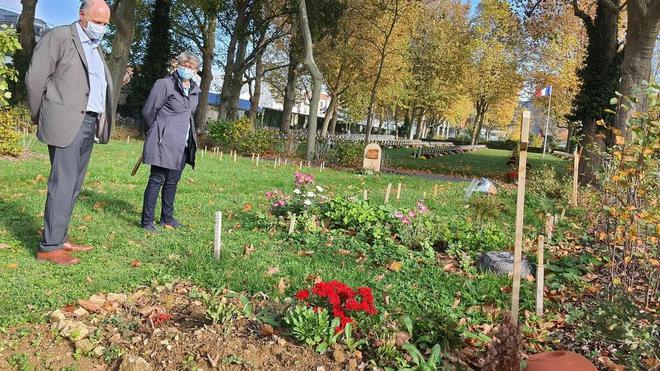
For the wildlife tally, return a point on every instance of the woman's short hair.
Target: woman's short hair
(187, 57)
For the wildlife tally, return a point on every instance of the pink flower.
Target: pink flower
(411, 214)
(405, 220)
(421, 207)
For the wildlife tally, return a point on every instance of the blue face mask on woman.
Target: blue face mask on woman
(185, 73)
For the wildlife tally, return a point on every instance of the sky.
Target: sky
(54, 12)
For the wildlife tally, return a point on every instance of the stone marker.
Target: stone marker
(134, 363)
(372, 157)
(501, 262)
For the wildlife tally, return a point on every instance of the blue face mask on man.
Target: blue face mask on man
(95, 31)
(185, 73)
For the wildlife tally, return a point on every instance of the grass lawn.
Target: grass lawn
(107, 217)
(487, 163)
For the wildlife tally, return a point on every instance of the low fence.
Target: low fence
(446, 151)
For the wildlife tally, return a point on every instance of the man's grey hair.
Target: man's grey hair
(187, 57)
(85, 4)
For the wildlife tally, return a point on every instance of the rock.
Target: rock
(338, 354)
(267, 330)
(84, 345)
(119, 298)
(98, 351)
(57, 316)
(501, 262)
(80, 312)
(73, 330)
(550, 361)
(134, 363)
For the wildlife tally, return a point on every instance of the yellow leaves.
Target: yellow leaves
(272, 271)
(394, 266)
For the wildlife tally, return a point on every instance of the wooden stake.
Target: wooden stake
(222, 154)
(365, 195)
(549, 227)
(217, 241)
(235, 156)
(286, 162)
(387, 193)
(576, 175)
(203, 152)
(424, 196)
(252, 157)
(520, 208)
(398, 192)
(300, 166)
(539, 278)
(292, 226)
(258, 155)
(275, 164)
(128, 140)
(309, 164)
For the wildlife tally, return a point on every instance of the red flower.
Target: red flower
(302, 295)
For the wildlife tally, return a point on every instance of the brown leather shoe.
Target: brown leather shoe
(73, 247)
(59, 257)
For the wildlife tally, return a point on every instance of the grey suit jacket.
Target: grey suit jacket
(58, 88)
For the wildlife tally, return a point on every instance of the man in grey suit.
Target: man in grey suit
(69, 91)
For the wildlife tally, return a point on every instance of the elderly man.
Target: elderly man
(69, 91)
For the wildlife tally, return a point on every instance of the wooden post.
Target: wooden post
(549, 227)
(539, 278)
(309, 164)
(217, 241)
(387, 193)
(203, 152)
(258, 155)
(235, 156)
(252, 156)
(520, 208)
(435, 191)
(576, 175)
(128, 140)
(398, 192)
(286, 162)
(292, 226)
(222, 154)
(424, 196)
(365, 195)
(300, 167)
(275, 164)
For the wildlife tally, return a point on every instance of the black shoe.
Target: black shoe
(151, 228)
(172, 224)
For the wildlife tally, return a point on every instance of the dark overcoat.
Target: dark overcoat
(168, 116)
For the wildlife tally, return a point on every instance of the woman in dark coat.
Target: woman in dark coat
(170, 141)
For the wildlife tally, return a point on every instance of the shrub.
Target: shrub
(358, 216)
(545, 182)
(10, 138)
(232, 135)
(8, 46)
(345, 153)
(260, 141)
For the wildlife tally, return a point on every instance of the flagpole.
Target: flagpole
(547, 124)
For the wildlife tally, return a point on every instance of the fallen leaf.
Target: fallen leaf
(607, 362)
(136, 263)
(69, 308)
(402, 337)
(88, 218)
(314, 278)
(272, 271)
(530, 278)
(448, 267)
(12, 266)
(343, 252)
(247, 207)
(282, 285)
(249, 249)
(99, 205)
(90, 306)
(394, 266)
(39, 178)
(379, 277)
(267, 330)
(305, 253)
(4, 246)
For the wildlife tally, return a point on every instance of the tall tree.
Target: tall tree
(317, 78)
(25, 29)
(157, 60)
(123, 21)
(197, 20)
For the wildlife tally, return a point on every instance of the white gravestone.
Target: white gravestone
(372, 157)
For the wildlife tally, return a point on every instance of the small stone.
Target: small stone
(57, 316)
(251, 348)
(320, 368)
(84, 345)
(74, 330)
(80, 312)
(119, 298)
(267, 330)
(98, 351)
(134, 363)
(136, 339)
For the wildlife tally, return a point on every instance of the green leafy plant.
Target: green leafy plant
(368, 221)
(313, 327)
(348, 340)
(20, 362)
(345, 153)
(9, 44)
(423, 364)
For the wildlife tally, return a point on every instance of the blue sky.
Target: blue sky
(54, 12)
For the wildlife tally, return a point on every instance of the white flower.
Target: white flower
(311, 194)
(297, 191)
(307, 203)
(320, 189)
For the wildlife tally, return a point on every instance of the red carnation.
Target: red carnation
(302, 295)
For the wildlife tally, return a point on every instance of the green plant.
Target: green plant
(486, 207)
(9, 44)
(348, 340)
(345, 153)
(368, 221)
(231, 134)
(20, 362)
(421, 364)
(111, 353)
(313, 327)
(221, 312)
(10, 138)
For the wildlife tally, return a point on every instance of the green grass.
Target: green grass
(107, 217)
(490, 163)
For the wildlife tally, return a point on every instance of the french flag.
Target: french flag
(543, 92)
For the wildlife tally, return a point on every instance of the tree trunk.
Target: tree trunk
(372, 99)
(25, 29)
(228, 77)
(237, 79)
(481, 108)
(410, 118)
(123, 20)
(569, 138)
(641, 35)
(317, 78)
(420, 124)
(207, 73)
(256, 94)
(290, 90)
(328, 116)
(335, 114)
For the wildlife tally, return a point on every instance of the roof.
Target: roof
(243, 104)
